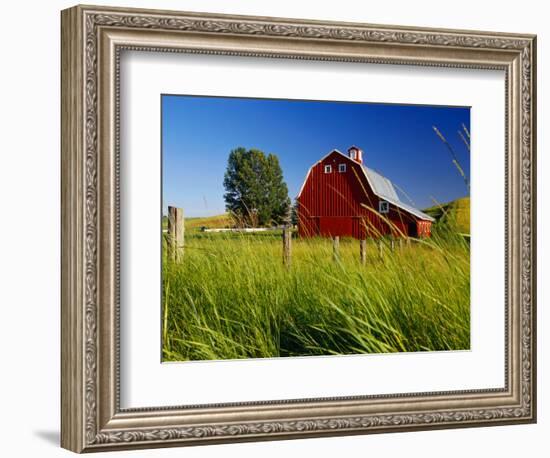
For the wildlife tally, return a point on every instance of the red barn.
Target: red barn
(342, 197)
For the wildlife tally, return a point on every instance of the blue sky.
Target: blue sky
(397, 141)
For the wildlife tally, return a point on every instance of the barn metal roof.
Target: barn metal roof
(381, 185)
(384, 188)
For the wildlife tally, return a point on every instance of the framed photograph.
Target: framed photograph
(278, 228)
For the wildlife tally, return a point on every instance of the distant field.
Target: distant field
(231, 297)
(195, 223)
(209, 221)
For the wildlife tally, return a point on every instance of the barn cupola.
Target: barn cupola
(355, 154)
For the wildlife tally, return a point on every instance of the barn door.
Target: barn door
(330, 226)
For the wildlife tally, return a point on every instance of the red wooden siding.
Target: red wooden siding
(424, 228)
(342, 203)
(335, 225)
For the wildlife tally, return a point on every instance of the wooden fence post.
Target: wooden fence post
(408, 242)
(335, 247)
(363, 251)
(176, 231)
(400, 244)
(392, 244)
(287, 247)
(380, 248)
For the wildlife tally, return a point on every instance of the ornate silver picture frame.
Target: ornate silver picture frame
(93, 39)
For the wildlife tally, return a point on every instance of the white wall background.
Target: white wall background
(29, 229)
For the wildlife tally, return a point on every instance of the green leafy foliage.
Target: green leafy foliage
(256, 194)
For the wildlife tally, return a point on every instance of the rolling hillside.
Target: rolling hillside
(455, 212)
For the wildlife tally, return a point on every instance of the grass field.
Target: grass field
(231, 297)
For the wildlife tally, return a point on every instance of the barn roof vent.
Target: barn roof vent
(355, 154)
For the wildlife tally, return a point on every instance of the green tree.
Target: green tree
(255, 191)
(294, 213)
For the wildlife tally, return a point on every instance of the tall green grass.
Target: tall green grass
(231, 297)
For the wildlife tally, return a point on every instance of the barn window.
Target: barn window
(328, 168)
(341, 168)
(383, 206)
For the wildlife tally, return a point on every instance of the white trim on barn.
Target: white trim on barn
(305, 181)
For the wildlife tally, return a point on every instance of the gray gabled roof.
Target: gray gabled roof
(384, 189)
(381, 186)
